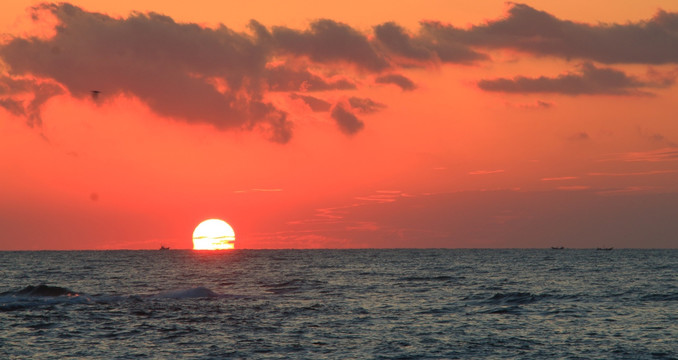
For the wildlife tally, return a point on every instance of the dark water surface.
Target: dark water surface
(340, 304)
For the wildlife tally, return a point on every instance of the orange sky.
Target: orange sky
(487, 125)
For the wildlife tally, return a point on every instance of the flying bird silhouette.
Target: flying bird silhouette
(95, 94)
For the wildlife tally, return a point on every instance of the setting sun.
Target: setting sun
(213, 234)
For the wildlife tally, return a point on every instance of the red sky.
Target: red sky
(356, 125)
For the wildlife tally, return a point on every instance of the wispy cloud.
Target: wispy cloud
(590, 80)
(626, 190)
(365, 105)
(561, 178)
(485, 172)
(573, 188)
(316, 104)
(659, 155)
(382, 196)
(396, 79)
(257, 190)
(639, 173)
(538, 104)
(580, 136)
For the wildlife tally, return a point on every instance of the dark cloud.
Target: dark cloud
(221, 77)
(168, 65)
(330, 41)
(317, 105)
(580, 136)
(394, 38)
(590, 80)
(279, 129)
(25, 97)
(281, 78)
(653, 41)
(539, 104)
(544, 104)
(348, 123)
(429, 45)
(365, 105)
(14, 107)
(396, 79)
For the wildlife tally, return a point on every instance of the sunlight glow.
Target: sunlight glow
(213, 234)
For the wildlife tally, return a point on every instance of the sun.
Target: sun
(213, 234)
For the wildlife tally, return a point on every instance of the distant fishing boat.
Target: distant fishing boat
(557, 247)
(606, 249)
(164, 247)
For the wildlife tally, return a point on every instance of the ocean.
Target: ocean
(339, 304)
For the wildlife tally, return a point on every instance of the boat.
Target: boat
(164, 247)
(557, 247)
(605, 249)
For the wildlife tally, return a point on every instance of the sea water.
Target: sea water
(339, 304)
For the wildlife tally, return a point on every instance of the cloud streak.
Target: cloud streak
(659, 155)
(590, 80)
(402, 82)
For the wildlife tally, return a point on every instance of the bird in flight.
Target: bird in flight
(95, 94)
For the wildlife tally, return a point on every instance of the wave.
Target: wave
(515, 298)
(193, 293)
(41, 290)
(660, 297)
(293, 285)
(41, 296)
(433, 278)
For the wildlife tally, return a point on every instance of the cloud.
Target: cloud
(221, 77)
(328, 41)
(257, 190)
(580, 136)
(536, 105)
(626, 190)
(348, 123)
(574, 188)
(180, 70)
(168, 65)
(365, 105)
(396, 40)
(396, 79)
(590, 80)
(485, 172)
(659, 155)
(13, 106)
(281, 78)
(25, 97)
(317, 105)
(429, 45)
(561, 178)
(639, 173)
(652, 41)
